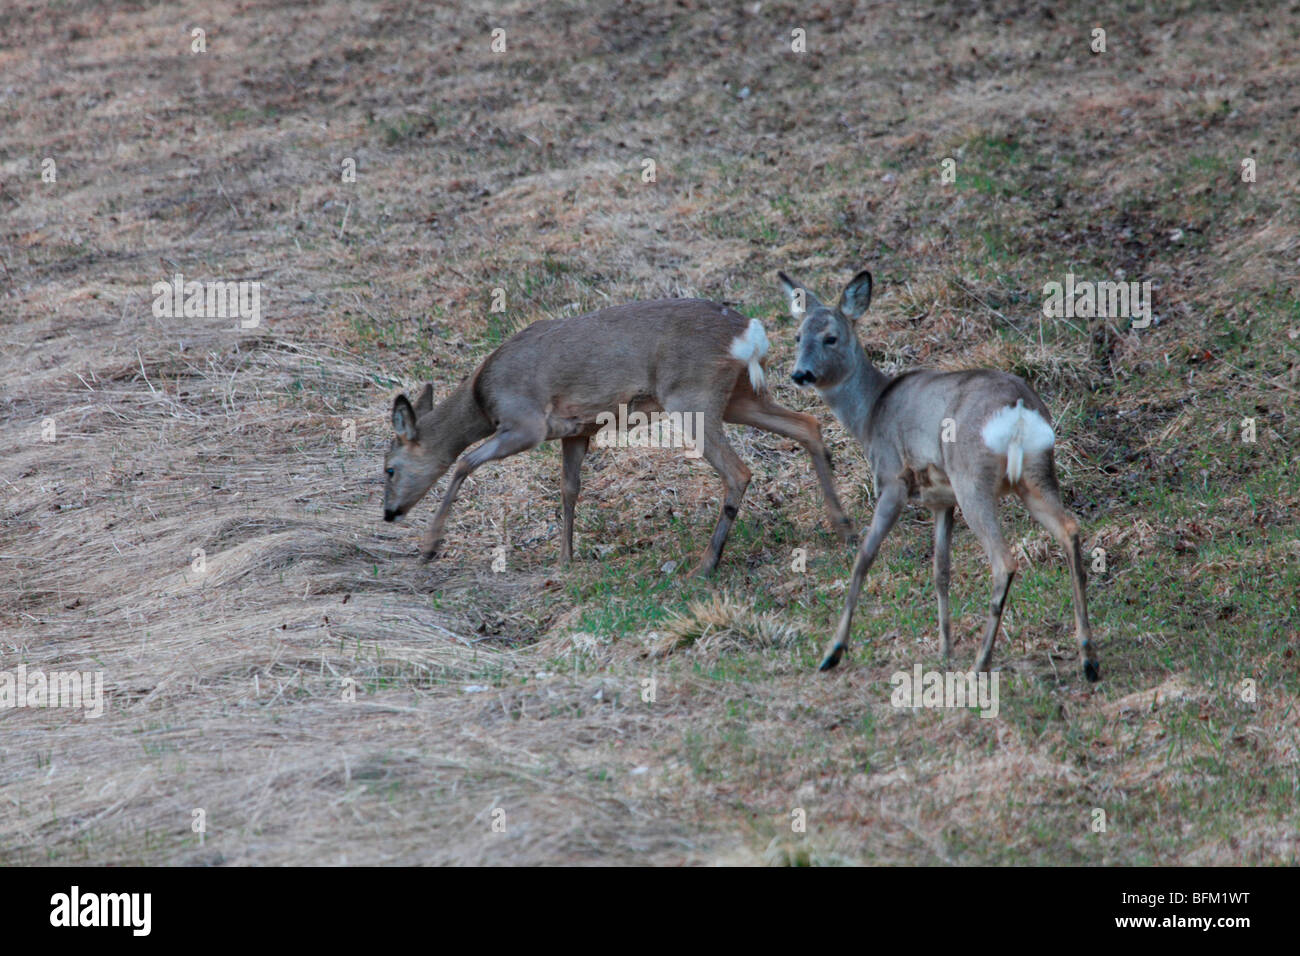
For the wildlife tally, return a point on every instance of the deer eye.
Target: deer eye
(831, 340)
(796, 338)
(388, 472)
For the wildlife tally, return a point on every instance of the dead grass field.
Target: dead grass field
(521, 691)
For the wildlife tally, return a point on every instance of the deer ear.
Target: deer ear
(404, 419)
(801, 301)
(425, 402)
(856, 296)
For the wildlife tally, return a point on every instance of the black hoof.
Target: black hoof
(831, 660)
(703, 569)
(1092, 671)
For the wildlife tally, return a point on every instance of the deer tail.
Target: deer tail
(750, 347)
(1015, 432)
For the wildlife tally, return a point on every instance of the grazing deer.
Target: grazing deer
(943, 438)
(553, 379)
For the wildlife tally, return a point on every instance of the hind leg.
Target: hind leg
(735, 479)
(1042, 498)
(979, 508)
(747, 408)
(574, 450)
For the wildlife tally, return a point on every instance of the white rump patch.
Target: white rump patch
(1015, 431)
(750, 347)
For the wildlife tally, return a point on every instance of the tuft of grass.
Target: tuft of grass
(721, 624)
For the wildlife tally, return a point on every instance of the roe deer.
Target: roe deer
(554, 378)
(943, 438)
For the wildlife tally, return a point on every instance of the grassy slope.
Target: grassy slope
(522, 690)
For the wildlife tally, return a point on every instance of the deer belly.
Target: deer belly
(930, 486)
(565, 420)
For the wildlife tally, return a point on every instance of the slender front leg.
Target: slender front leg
(888, 508)
(735, 476)
(942, 574)
(574, 450)
(506, 442)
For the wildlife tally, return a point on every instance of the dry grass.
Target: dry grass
(229, 689)
(719, 625)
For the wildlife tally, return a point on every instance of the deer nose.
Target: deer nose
(390, 514)
(802, 377)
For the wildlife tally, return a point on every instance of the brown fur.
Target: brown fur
(901, 423)
(550, 382)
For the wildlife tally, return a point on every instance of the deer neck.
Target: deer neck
(457, 422)
(853, 398)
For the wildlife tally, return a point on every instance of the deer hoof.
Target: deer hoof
(703, 569)
(1092, 671)
(427, 556)
(832, 658)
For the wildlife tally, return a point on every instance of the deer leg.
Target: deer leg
(979, 508)
(749, 409)
(508, 440)
(574, 450)
(942, 575)
(735, 477)
(1044, 504)
(888, 507)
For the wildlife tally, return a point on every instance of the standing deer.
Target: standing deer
(944, 439)
(553, 379)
